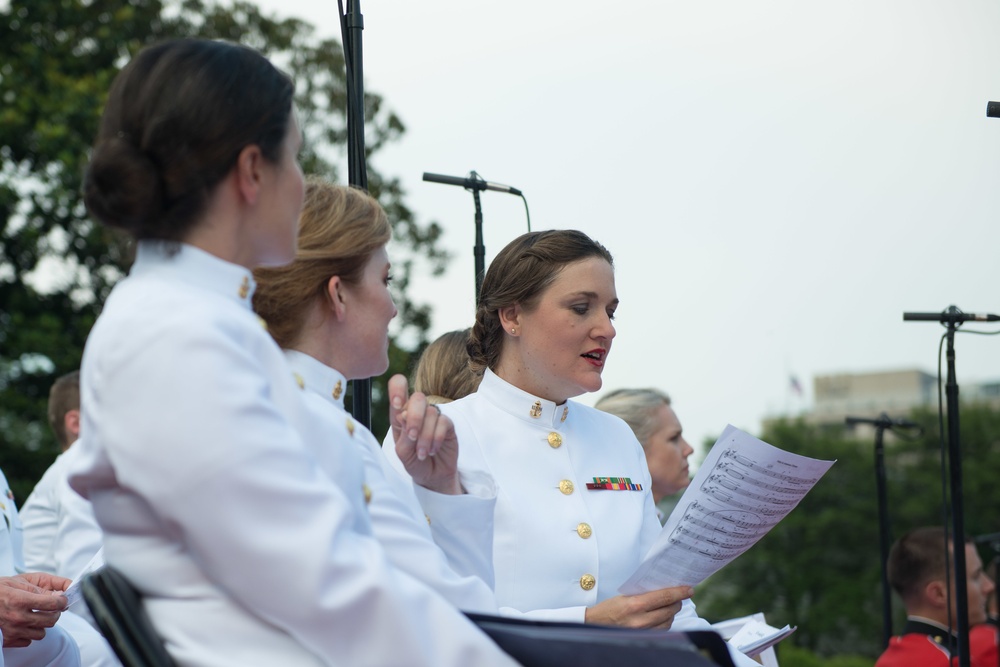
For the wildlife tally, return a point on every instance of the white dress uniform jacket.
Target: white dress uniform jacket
(212, 503)
(72, 641)
(401, 522)
(61, 534)
(558, 546)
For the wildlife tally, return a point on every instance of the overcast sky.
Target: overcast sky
(778, 181)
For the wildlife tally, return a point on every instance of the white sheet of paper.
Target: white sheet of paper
(73, 593)
(744, 488)
(757, 636)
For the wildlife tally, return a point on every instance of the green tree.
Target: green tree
(820, 567)
(57, 60)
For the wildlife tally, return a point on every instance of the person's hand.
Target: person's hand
(425, 439)
(655, 609)
(30, 603)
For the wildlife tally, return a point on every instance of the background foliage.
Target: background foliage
(820, 568)
(57, 60)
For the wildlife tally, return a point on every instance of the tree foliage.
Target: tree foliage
(57, 60)
(820, 567)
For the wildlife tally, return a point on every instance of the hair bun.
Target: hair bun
(122, 186)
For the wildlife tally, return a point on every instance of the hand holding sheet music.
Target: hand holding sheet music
(744, 488)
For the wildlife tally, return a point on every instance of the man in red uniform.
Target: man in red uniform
(917, 572)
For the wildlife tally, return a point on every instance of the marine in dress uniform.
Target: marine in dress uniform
(929, 644)
(564, 538)
(212, 503)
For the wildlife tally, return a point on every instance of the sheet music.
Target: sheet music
(73, 593)
(742, 490)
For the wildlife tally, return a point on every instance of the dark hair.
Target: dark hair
(443, 371)
(176, 119)
(917, 558)
(340, 228)
(63, 397)
(518, 275)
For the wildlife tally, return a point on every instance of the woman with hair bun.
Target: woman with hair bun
(443, 373)
(197, 453)
(574, 513)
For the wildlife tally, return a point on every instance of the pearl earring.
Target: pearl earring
(512, 329)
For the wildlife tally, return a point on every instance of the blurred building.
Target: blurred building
(896, 393)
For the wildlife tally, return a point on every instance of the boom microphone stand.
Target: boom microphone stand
(885, 535)
(474, 183)
(952, 318)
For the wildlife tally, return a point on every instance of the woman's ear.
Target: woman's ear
(248, 173)
(510, 318)
(335, 297)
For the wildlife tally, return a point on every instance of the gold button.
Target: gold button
(337, 390)
(368, 493)
(262, 322)
(350, 427)
(299, 381)
(566, 486)
(584, 531)
(587, 582)
(244, 287)
(555, 440)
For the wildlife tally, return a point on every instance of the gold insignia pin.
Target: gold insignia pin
(299, 381)
(244, 287)
(536, 410)
(350, 427)
(368, 493)
(565, 414)
(338, 389)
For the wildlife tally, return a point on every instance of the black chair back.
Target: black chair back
(117, 608)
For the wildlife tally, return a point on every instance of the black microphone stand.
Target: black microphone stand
(885, 535)
(351, 25)
(952, 318)
(478, 250)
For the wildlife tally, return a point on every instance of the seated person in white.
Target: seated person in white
(330, 310)
(564, 541)
(93, 651)
(201, 468)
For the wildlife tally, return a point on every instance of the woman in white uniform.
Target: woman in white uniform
(330, 311)
(574, 512)
(195, 453)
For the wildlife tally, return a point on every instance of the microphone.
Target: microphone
(470, 183)
(993, 109)
(951, 315)
(882, 421)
